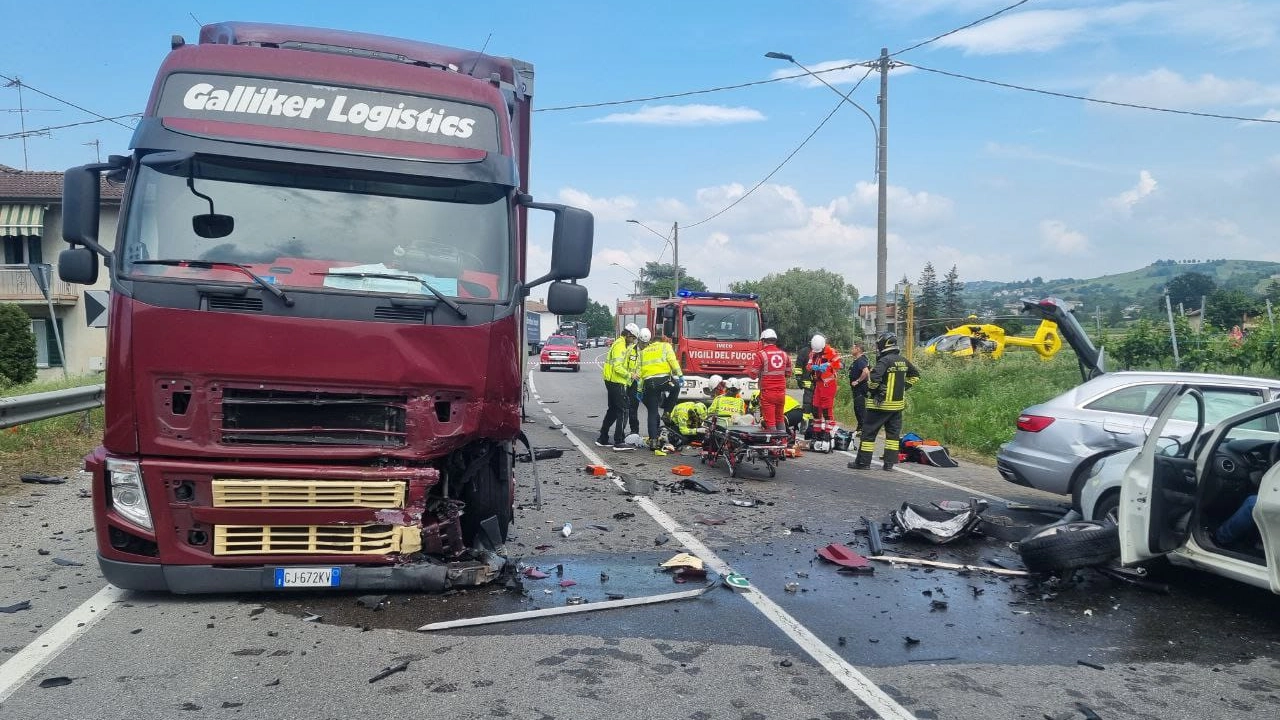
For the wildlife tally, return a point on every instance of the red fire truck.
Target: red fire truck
(713, 333)
(316, 317)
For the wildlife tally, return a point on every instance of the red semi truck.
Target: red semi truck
(315, 340)
(712, 333)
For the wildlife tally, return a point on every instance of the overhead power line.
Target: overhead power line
(687, 93)
(1086, 98)
(44, 130)
(100, 116)
(785, 160)
(979, 21)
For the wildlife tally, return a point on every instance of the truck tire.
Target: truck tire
(1069, 545)
(489, 495)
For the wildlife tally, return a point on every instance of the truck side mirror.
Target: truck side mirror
(80, 202)
(566, 298)
(78, 265)
(571, 242)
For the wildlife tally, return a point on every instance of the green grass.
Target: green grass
(971, 406)
(54, 446)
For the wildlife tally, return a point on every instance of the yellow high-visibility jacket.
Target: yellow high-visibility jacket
(620, 362)
(658, 359)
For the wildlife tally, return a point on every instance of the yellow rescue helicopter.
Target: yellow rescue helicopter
(976, 338)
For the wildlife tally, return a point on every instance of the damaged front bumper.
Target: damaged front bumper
(430, 577)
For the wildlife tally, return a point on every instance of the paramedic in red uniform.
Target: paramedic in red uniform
(824, 367)
(774, 365)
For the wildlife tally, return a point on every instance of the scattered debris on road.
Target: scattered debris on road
(372, 602)
(24, 605)
(41, 479)
(567, 609)
(547, 453)
(67, 563)
(1088, 664)
(683, 560)
(949, 566)
(844, 557)
(389, 671)
(53, 682)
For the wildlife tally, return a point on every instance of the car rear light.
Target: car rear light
(1033, 423)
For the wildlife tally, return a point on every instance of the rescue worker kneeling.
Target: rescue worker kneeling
(687, 423)
(725, 409)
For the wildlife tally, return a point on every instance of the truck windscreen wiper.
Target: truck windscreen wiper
(407, 278)
(208, 264)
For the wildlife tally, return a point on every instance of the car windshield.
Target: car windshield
(708, 322)
(304, 226)
(559, 341)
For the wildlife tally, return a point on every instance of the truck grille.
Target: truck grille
(305, 493)
(315, 539)
(285, 417)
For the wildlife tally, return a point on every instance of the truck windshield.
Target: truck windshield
(708, 322)
(305, 226)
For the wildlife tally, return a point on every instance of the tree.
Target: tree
(800, 303)
(598, 318)
(1188, 288)
(657, 279)
(928, 303)
(952, 303)
(1226, 308)
(1272, 293)
(17, 347)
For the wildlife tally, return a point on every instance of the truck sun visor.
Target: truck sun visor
(347, 111)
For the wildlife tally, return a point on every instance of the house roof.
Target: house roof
(18, 184)
(535, 306)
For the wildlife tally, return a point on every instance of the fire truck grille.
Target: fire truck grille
(315, 539)
(306, 493)
(280, 417)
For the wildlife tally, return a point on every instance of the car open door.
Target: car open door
(1266, 514)
(1158, 489)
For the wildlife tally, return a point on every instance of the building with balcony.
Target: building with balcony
(867, 318)
(30, 239)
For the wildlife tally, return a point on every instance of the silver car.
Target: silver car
(1057, 443)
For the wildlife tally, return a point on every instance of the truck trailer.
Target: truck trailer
(314, 363)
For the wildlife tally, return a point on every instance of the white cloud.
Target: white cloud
(604, 209)
(685, 115)
(1032, 31)
(1125, 201)
(915, 210)
(1023, 152)
(1056, 237)
(1268, 115)
(1165, 88)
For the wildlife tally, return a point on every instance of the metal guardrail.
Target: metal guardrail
(23, 409)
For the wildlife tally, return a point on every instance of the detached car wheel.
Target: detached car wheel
(1069, 545)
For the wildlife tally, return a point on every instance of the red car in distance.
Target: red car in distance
(560, 351)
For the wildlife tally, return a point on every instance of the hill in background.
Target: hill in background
(1127, 293)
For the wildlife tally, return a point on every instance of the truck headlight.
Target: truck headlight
(128, 497)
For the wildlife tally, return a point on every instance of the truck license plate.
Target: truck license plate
(308, 577)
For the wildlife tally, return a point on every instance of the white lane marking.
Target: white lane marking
(44, 649)
(844, 673)
(949, 484)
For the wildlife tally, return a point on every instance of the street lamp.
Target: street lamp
(675, 249)
(882, 162)
(635, 290)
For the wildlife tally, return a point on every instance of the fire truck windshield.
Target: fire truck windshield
(710, 322)
(304, 226)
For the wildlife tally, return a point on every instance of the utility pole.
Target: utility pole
(22, 120)
(97, 148)
(1173, 336)
(1270, 318)
(1097, 319)
(675, 256)
(882, 173)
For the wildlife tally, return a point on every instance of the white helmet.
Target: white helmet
(715, 381)
(768, 334)
(632, 328)
(645, 335)
(817, 343)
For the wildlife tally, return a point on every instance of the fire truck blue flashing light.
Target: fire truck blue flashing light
(717, 295)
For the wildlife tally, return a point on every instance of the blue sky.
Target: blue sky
(1004, 184)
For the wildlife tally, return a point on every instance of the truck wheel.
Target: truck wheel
(1069, 545)
(489, 495)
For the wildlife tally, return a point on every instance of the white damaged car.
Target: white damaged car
(1170, 496)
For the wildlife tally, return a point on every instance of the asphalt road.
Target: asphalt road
(833, 646)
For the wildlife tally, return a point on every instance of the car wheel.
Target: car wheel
(576, 368)
(544, 368)
(1069, 545)
(1107, 509)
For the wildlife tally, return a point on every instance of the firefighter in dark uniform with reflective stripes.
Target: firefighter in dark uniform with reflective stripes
(886, 390)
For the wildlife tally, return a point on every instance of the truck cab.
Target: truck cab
(314, 350)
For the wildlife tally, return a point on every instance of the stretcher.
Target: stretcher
(737, 445)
